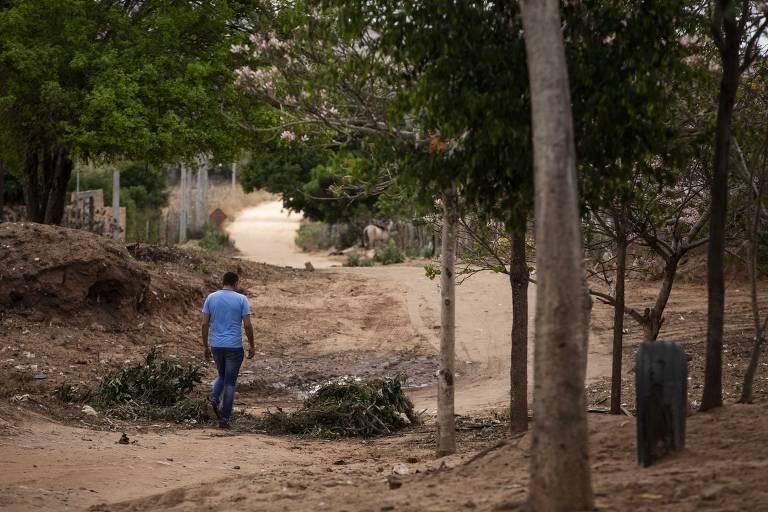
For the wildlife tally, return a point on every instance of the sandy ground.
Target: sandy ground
(483, 310)
(266, 234)
(369, 321)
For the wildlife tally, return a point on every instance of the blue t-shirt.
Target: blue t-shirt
(227, 309)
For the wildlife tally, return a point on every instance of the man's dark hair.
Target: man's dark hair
(230, 279)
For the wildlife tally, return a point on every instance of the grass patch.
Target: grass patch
(348, 408)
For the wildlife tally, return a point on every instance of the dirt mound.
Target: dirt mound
(55, 271)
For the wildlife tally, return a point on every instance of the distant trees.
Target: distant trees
(110, 80)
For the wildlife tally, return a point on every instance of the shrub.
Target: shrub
(355, 259)
(215, 239)
(347, 407)
(315, 236)
(389, 254)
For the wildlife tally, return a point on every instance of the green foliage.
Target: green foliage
(315, 236)
(215, 239)
(154, 382)
(355, 259)
(465, 75)
(389, 254)
(346, 407)
(431, 271)
(306, 178)
(111, 80)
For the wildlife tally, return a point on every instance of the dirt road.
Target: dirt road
(266, 233)
(483, 311)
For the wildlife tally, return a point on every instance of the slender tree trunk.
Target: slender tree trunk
(618, 314)
(713, 371)
(518, 371)
(31, 192)
(446, 438)
(754, 241)
(57, 193)
(560, 473)
(183, 205)
(116, 227)
(2, 191)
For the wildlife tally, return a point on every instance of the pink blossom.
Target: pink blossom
(692, 60)
(305, 138)
(714, 67)
(690, 216)
(288, 135)
(688, 40)
(609, 39)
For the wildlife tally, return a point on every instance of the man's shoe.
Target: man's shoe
(224, 425)
(213, 410)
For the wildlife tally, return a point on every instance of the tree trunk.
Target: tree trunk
(57, 191)
(754, 241)
(183, 205)
(446, 438)
(31, 192)
(560, 473)
(618, 315)
(518, 371)
(653, 318)
(116, 227)
(2, 191)
(713, 371)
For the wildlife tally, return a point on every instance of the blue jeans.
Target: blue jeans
(228, 361)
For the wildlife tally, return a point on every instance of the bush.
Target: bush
(389, 254)
(152, 390)
(355, 259)
(215, 239)
(315, 236)
(345, 407)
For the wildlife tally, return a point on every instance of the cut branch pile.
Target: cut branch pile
(348, 408)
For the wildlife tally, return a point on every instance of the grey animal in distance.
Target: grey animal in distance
(375, 236)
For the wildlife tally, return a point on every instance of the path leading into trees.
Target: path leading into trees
(483, 310)
(266, 234)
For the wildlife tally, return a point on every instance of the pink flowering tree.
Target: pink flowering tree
(660, 225)
(315, 85)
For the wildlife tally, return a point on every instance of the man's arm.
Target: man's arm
(249, 335)
(205, 326)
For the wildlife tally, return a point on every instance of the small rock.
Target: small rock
(387, 507)
(394, 482)
(400, 469)
(124, 439)
(412, 460)
(89, 411)
(711, 493)
(340, 462)
(470, 504)
(236, 467)
(309, 267)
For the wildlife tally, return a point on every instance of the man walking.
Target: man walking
(224, 312)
